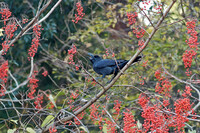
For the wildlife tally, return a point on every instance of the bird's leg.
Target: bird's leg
(103, 76)
(97, 78)
(111, 79)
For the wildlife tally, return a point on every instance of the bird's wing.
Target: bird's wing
(108, 63)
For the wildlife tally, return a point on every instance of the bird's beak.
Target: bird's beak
(90, 55)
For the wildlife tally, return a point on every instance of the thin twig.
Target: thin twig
(25, 82)
(46, 16)
(172, 23)
(146, 15)
(183, 12)
(93, 77)
(113, 120)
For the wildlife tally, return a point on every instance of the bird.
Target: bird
(108, 66)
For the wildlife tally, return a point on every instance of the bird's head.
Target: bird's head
(94, 58)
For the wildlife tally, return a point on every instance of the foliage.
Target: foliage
(47, 82)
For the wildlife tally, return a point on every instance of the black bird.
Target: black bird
(108, 66)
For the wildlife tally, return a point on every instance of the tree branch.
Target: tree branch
(23, 83)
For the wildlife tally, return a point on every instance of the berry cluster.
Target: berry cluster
(140, 43)
(164, 85)
(38, 101)
(71, 53)
(5, 14)
(182, 107)
(130, 125)
(132, 18)
(80, 13)
(24, 20)
(32, 85)
(145, 63)
(45, 73)
(158, 120)
(107, 53)
(117, 106)
(4, 71)
(52, 130)
(79, 116)
(3, 77)
(93, 81)
(35, 41)
(187, 91)
(94, 115)
(191, 30)
(74, 95)
(192, 42)
(139, 32)
(9, 28)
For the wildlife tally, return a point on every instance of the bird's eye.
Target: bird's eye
(96, 56)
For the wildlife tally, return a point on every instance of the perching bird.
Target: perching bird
(108, 66)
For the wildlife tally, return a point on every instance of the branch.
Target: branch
(23, 83)
(46, 16)
(183, 12)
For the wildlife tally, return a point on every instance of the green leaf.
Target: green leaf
(52, 100)
(151, 8)
(15, 121)
(193, 131)
(105, 130)
(11, 130)
(1, 30)
(139, 125)
(82, 127)
(47, 120)
(30, 130)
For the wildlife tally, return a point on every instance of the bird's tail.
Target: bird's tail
(137, 59)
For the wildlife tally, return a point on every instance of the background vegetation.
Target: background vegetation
(103, 30)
